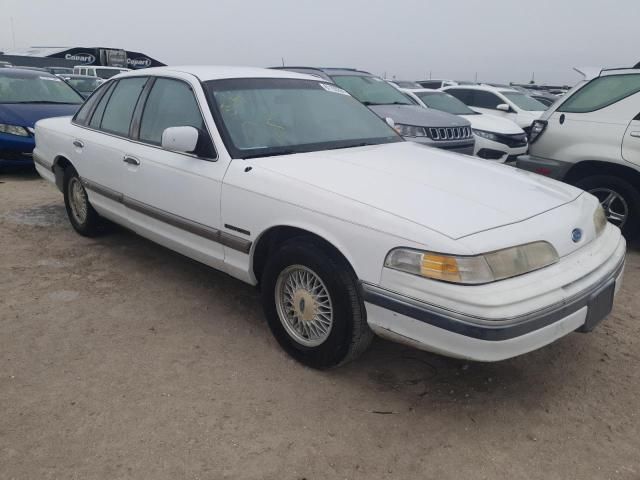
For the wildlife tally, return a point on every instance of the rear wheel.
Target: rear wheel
(84, 219)
(312, 305)
(619, 199)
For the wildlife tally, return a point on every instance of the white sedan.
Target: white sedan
(497, 139)
(285, 181)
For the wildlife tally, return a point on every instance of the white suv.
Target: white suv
(592, 140)
(501, 102)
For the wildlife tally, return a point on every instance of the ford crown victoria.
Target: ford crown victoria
(285, 181)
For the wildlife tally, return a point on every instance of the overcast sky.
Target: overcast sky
(500, 40)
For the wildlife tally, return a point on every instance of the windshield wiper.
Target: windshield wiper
(369, 104)
(43, 102)
(269, 154)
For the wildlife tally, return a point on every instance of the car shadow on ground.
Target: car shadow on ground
(405, 376)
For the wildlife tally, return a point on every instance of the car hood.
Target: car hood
(490, 123)
(419, 116)
(455, 195)
(27, 114)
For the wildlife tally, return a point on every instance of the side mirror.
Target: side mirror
(390, 122)
(503, 107)
(180, 139)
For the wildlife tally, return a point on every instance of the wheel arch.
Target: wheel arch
(588, 168)
(270, 239)
(60, 164)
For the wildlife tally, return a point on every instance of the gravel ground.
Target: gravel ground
(120, 359)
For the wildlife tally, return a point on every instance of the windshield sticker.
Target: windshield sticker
(332, 88)
(51, 79)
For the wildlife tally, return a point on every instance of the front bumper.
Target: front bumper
(429, 327)
(496, 151)
(544, 166)
(16, 150)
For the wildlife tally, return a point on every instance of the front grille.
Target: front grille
(512, 141)
(449, 133)
(15, 156)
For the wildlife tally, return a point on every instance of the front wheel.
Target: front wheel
(84, 219)
(619, 199)
(312, 305)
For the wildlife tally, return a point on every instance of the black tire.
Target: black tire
(626, 190)
(349, 335)
(89, 225)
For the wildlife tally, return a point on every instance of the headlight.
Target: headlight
(537, 128)
(14, 130)
(410, 130)
(485, 134)
(599, 220)
(473, 270)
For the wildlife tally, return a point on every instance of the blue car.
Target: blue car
(27, 96)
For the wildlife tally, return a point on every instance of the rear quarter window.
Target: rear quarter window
(601, 92)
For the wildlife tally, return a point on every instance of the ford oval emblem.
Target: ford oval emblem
(576, 235)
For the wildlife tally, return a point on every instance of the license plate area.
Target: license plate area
(599, 306)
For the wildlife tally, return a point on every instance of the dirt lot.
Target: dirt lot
(121, 359)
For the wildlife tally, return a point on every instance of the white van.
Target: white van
(102, 72)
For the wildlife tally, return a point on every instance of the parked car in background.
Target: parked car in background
(60, 70)
(432, 128)
(27, 96)
(497, 138)
(404, 84)
(101, 72)
(437, 84)
(348, 229)
(591, 139)
(502, 102)
(84, 84)
(544, 97)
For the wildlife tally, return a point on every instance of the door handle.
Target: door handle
(131, 160)
(78, 143)
(635, 134)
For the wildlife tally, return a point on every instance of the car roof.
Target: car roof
(220, 72)
(430, 91)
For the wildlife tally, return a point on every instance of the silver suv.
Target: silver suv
(413, 122)
(591, 139)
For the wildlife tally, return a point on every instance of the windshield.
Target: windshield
(108, 72)
(266, 116)
(17, 87)
(84, 84)
(525, 102)
(371, 90)
(444, 102)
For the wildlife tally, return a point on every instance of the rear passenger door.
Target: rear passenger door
(101, 138)
(172, 197)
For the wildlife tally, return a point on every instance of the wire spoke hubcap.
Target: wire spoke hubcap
(304, 305)
(614, 205)
(78, 200)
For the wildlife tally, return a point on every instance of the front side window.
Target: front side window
(525, 102)
(371, 90)
(462, 94)
(262, 117)
(119, 109)
(19, 87)
(482, 99)
(601, 92)
(170, 104)
(444, 102)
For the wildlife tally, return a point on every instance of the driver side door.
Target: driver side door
(172, 197)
